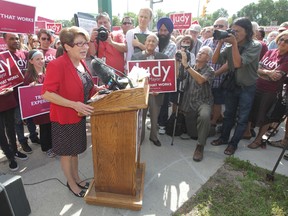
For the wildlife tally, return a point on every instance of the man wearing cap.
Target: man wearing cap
(168, 47)
(194, 31)
(283, 27)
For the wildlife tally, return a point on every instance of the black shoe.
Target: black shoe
(35, 140)
(13, 165)
(20, 155)
(285, 156)
(86, 186)
(156, 143)
(26, 148)
(81, 194)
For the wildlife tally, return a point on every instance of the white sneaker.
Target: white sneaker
(185, 136)
(161, 130)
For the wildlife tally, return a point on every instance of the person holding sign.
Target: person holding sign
(68, 86)
(155, 100)
(7, 127)
(35, 75)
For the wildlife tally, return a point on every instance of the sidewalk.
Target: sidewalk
(171, 176)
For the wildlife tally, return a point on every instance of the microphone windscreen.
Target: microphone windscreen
(102, 71)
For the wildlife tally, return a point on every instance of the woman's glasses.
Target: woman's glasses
(81, 44)
(44, 39)
(283, 40)
(220, 26)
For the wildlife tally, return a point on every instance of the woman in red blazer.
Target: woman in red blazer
(68, 86)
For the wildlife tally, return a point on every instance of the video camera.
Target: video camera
(102, 33)
(221, 34)
(187, 52)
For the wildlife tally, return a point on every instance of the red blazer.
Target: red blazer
(62, 79)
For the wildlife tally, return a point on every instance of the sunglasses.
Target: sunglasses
(81, 44)
(220, 26)
(43, 39)
(126, 23)
(283, 40)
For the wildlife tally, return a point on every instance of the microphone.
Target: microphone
(107, 75)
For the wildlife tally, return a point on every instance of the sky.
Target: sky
(63, 9)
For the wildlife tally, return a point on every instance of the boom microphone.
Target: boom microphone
(108, 76)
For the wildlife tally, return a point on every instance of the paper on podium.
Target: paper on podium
(137, 74)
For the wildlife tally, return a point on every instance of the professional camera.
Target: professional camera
(221, 34)
(102, 34)
(179, 56)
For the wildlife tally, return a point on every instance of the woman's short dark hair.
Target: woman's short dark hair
(247, 25)
(68, 34)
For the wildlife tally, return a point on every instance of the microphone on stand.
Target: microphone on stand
(107, 75)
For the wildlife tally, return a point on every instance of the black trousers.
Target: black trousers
(45, 137)
(7, 130)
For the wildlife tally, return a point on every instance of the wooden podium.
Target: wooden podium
(116, 134)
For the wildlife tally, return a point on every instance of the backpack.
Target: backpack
(180, 125)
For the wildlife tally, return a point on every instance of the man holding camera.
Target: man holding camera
(218, 93)
(109, 46)
(197, 97)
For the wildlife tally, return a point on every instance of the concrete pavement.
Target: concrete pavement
(171, 176)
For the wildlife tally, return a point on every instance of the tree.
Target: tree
(116, 21)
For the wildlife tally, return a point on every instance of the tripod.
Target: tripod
(179, 91)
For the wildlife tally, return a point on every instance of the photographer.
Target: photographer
(197, 97)
(109, 46)
(242, 57)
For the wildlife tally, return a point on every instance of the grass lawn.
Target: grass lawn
(239, 188)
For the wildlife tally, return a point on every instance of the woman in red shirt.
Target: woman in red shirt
(68, 86)
(273, 69)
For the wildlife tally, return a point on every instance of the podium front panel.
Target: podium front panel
(114, 137)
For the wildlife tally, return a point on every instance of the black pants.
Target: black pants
(45, 137)
(7, 127)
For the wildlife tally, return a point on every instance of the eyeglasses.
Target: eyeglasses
(48, 39)
(220, 26)
(126, 23)
(81, 44)
(283, 40)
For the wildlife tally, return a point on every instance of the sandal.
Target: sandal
(256, 144)
(230, 150)
(218, 142)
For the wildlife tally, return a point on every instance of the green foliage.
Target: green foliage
(116, 21)
(241, 189)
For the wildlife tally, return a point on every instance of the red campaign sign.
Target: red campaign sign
(10, 74)
(39, 18)
(16, 18)
(3, 45)
(39, 25)
(162, 74)
(31, 102)
(181, 20)
(56, 27)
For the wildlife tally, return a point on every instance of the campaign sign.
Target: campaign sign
(31, 102)
(16, 18)
(56, 27)
(162, 74)
(3, 45)
(10, 74)
(181, 20)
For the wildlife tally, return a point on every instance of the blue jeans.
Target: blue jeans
(19, 127)
(238, 101)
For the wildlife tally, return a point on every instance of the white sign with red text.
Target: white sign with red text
(162, 74)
